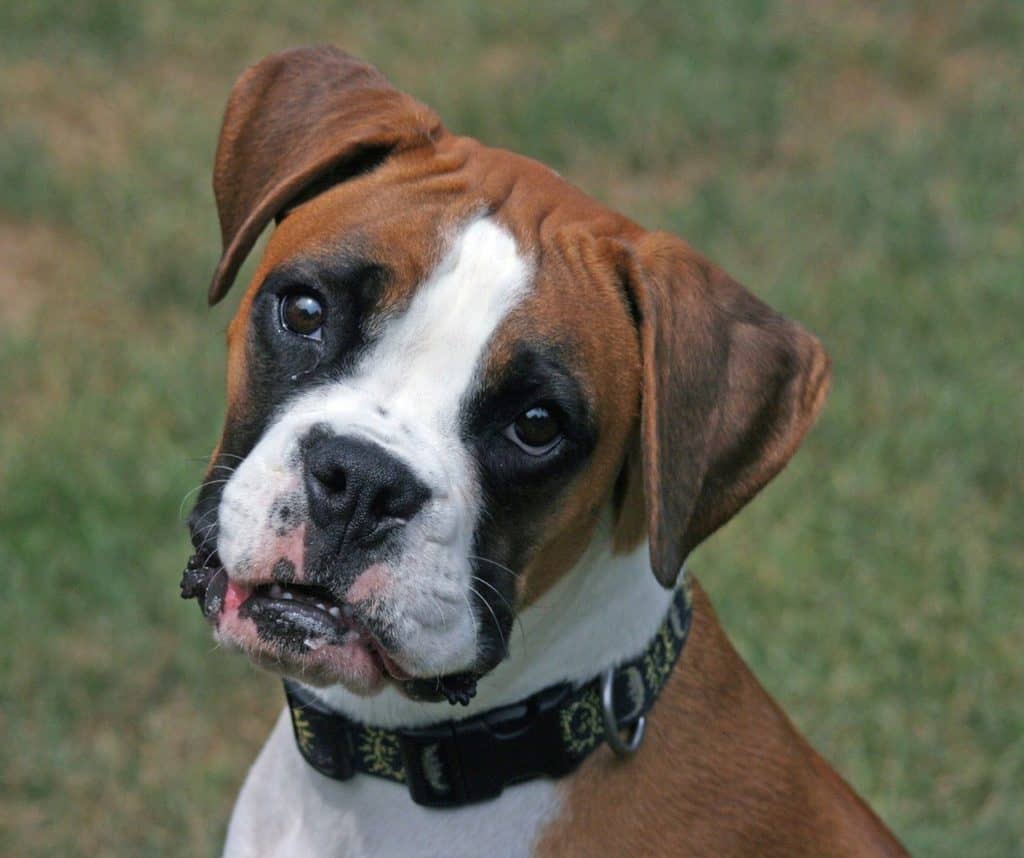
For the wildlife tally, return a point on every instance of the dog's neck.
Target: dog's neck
(603, 611)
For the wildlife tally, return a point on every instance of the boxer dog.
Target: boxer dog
(475, 424)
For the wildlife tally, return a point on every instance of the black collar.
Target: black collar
(460, 762)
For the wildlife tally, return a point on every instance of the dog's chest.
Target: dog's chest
(286, 808)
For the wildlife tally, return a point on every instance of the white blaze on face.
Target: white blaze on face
(405, 395)
(428, 356)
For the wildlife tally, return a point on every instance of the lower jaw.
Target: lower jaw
(357, 664)
(353, 664)
(353, 661)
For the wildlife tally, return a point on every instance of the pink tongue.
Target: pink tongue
(235, 595)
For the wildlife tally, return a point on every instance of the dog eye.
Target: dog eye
(536, 431)
(302, 314)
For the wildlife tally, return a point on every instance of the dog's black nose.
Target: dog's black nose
(360, 487)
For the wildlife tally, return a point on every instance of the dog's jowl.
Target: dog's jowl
(476, 423)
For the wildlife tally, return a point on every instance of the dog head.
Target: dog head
(449, 365)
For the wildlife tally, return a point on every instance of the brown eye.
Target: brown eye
(302, 314)
(536, 431)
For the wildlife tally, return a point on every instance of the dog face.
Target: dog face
(447, 367)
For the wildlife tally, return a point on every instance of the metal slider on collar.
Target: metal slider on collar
(622, 747)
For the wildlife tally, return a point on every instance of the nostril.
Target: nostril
(332, 476)
(410, 501)
(382, 505)
(360, 487)
(398, 501)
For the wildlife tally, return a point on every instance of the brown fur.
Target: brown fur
(702, 394)
(292, 119)
(721, 772)
(730, 390)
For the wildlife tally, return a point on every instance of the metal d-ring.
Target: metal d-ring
(622, 747)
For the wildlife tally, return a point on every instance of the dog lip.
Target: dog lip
(309, 617)
(216, 589)
(205, 580)
(389, 663)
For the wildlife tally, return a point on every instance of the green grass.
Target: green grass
(858, 165)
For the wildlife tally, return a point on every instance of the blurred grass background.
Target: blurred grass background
(858, 165)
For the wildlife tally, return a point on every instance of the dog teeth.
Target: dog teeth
(276, 591)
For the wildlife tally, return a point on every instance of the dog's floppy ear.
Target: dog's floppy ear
(730, 388)
(295, 122)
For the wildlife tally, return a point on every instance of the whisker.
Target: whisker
(511, 610)
(495, 589)
(469, 607)
(201, 534)
(439, 609)
(203, 485)
(494, 563)
(198, 488)
(206, 515)
(494, 616)
(229, 468)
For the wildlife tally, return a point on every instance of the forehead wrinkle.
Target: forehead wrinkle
(435, 348)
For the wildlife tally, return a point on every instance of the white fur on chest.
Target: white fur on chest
(288, 809)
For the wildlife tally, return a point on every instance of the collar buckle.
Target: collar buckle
(442, 763)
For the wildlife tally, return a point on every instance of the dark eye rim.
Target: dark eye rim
(298, 291)
(509, 433)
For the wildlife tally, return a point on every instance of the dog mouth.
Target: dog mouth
(304, 618)
(289, 619)
(306, 631)
(303, 610)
